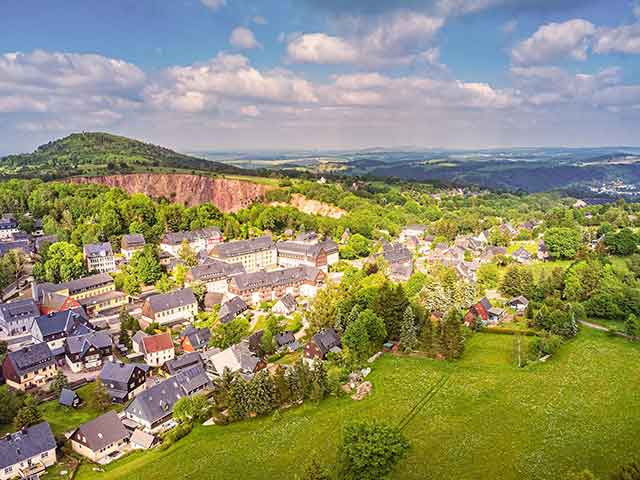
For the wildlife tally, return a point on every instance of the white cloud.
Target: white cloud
(624, 39)
(401, 39)
(553, 41)
(243, 39)
(214, 4)
(636, 9)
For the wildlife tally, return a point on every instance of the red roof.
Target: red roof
(157, 343)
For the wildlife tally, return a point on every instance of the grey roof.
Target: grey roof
(231, 309)
(82, 343)
(522, 253)
(275, 278)
(176, 238)
(306, 250)
(102, 431)
(167, 301)
(285, 338)
(484, 301)
(70, 322)
(238, 357)
(396, 253)
(182, 362)
(157, 402)
(16, 311)
(26, 443)
(98, 249)
(30, 358)
(289, 302)
(326, 340)
(519, 300)
(67, 397)
(133, 240)
(120, 372)
(242, 247)
(215, 270)
(198, 337)
(142, 438)
(79, 285)
(24, 245)
(41, 242)
(7, 223)
(307, 236)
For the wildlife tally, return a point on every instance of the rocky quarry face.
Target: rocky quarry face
(227, 195)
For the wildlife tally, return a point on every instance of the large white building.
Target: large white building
(99, 257)
(254, 254)
(200, 240)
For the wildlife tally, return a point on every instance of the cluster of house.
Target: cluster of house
(13, 238)
(485, 313)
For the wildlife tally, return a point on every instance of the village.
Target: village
(74, 330)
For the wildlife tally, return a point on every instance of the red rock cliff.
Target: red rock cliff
(189, 190)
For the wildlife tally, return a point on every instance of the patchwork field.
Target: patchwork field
(490, 420)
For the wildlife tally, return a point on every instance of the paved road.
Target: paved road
(594, 326)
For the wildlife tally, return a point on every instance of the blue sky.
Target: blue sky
(234, 74)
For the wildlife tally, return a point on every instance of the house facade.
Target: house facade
(54, 328)
(170, 308)
(295, 253)
(100, 438)
(200, 240)
(31, 367)
(256, 287)
(254, 254)
(27, 452)
(99, 257)
(17, 317)
(123, 381)
(158, 349)
(88, 352)
(215, 274)
(130, 244)
(321, 344)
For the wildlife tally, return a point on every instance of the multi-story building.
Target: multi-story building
(413, 230)
(256, 287)
(320, 255)
(158, 349)
(28, 452)
(8, 226)
(131, 244)
(100, 438)
(200, 240)
(30, 367)
(214, 274)
(169, 308)
(254, 254)
(54, 328)
(89, 351)
(123, 381)
(17, 317)
(99, 257)
(95, 293)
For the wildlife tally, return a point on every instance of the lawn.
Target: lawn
(63, 419)
(491, 420)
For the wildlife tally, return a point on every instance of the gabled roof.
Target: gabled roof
(238, 357)
(326, 340)
(15, 311)
(519, 300)
(521, 253)
(308, 251)
(231, 309)
(30, 358)
(198, 337)
(69, 322)
(285, 338)
(101, 431)
(170, 300)
(120, 372)
(242, 247)
(76, 286)
(26, 443)
(215, 270)
(276, 278)
(133, 240)
(289, 302)
(98, 250)
(184, 361)
(176, 238)
(157, 343)
(82, 343)
(67, 397)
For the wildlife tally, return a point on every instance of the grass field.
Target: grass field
(491, 420)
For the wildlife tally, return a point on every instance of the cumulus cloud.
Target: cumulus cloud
(400, 39)
(214, 4)
(243, 39)
(624, 39)
(223, 79)
(553, 41)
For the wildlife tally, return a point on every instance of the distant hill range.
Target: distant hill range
(82, 154)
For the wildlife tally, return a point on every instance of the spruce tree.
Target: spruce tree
(426, 334)
(408, 330)
(452, 338)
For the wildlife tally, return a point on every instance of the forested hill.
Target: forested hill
(100, 154)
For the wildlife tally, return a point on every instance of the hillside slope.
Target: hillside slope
(99, 154)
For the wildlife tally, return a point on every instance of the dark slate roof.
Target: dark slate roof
(326, 340)
(79, 285)
(157, 402)
(167, 301)
(14, 311)
(24, 245)
(82, 343)
(242, 247)
(98, 249)
(30, 358)
(28, 442)
(70, 322)
(306, 250)
(275, 278)
(67, 397)
(396, 253)
(133, 240)
(102, 431)
(183, 362)
(285, 338)
(519, 300)
(176, 238)
(485, 303)
(193, 378)
(7, 223)
(289, 302)
(213, 298)
(215, 270)
(119, 372)
(522, 253)
(231, 309)
(198, 337)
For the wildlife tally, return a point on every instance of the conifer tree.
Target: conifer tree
(426, 334)
(408, 330)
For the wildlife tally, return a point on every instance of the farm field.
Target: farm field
(490, 420)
